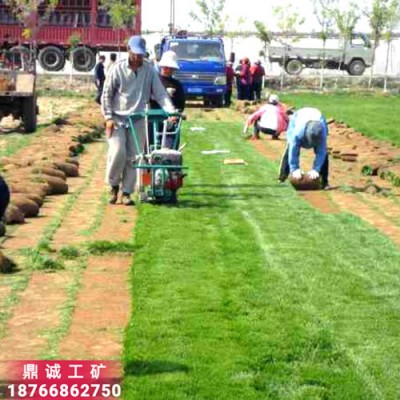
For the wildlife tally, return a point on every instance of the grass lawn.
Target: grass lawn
(374, 115)
(244, 291)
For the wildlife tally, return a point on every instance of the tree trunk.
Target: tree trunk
(321, 83)
(372, 64)
(389, 44)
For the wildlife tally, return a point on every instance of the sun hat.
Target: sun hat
(312, 134)
(137, 45)
(169, 60)
(273, 99)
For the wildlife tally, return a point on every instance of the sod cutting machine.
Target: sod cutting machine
(159, 166)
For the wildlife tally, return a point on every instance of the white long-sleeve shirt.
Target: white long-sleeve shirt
(127, 91)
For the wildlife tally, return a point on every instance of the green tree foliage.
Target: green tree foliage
(121, 12)
(382, 18)
(346, 20)
(264, 35)
(209, 14)
(323, 13)
(27, 12)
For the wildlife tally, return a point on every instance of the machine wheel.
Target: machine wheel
(28, 114)
(84, 59)
(294, 67)
(356, 67)
(51, 58)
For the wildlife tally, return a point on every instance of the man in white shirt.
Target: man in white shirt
(128, 89)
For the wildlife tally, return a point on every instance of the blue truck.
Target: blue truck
(202, 66)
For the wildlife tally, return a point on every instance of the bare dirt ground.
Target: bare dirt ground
(79, 311)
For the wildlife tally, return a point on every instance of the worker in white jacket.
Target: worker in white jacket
(128, 89)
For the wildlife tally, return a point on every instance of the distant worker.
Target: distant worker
(257, 76)
(307, 129)
(99, 78)
(4, 200)
(271, 119)
(245, 80)
(168, 65)
(128, 89)
(113, 60)
(230, 76)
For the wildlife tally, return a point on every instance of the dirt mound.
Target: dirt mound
(6, 265)
(70, 170)
(28, 207)
(305, 183)
(14, 215)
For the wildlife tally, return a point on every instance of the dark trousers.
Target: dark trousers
(267, 131)
(4, 196)
(244, 92)
(228, 95)
(256, 88)
(99, 92)
(284, 169)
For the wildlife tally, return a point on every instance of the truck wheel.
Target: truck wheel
(356, 67)
(294, 67)
(28, 114)
(51, 58)
(84, 59)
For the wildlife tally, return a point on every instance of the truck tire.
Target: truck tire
(51, 58)
(216, 101)
(84, 59)
(294, 67)
(356, 67)
(28, 114)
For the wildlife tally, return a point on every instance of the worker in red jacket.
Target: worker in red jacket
(270, 119)
(257, 74)
(230, 76)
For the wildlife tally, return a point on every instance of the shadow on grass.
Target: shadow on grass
(146, 367)
(241, 186)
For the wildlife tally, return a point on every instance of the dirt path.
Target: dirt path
(82, 310)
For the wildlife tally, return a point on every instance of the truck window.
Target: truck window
(188, 50)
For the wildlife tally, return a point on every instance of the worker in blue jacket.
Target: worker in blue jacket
(307, 129)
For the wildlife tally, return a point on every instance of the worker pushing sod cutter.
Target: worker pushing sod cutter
(159, 164)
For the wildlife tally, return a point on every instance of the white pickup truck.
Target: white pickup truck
(354, 59)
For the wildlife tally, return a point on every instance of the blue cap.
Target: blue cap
(137, 45)
(313, 134)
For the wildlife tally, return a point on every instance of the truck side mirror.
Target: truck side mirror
(157, 51)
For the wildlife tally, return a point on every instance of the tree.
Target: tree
(121, 13)
(393, 19)
(289, 21)
(32, 14)
(210, 15)
(346, 21)
(322, 10)
(379, 20)
(264, 35)
(73, 41)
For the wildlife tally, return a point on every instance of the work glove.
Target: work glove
(313, 174)
(297, 174)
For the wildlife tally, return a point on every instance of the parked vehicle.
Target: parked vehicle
(202, 66)
(17, 88)
(353, 59)
(71, 17)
